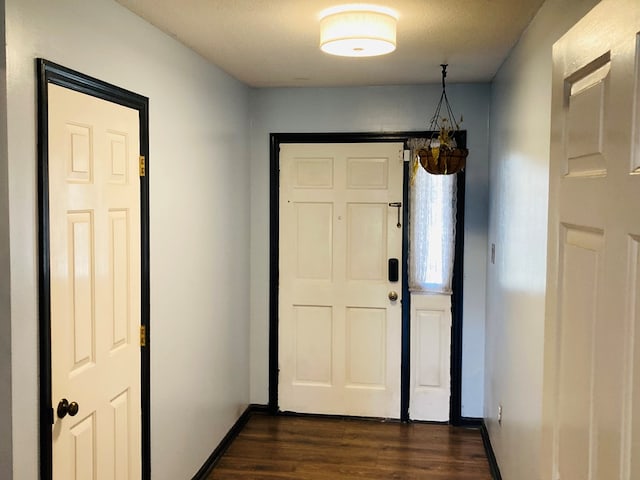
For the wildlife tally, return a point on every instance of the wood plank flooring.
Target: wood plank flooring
(309, 448)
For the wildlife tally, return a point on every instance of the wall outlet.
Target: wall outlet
(493, 253)
(500, 414)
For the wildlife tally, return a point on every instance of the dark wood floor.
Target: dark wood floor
(307, 448)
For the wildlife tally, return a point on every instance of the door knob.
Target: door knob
(65, 407)
(393, 296)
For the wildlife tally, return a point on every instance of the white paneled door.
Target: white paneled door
(592, 357)
(340, 328)
(94, 217)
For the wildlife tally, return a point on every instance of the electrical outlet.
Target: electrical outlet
(500, 414)
(493, 253)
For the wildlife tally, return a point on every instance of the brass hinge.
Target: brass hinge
(143, 169)
(143, 336)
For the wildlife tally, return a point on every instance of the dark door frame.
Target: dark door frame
(455, 405)
(51, 73)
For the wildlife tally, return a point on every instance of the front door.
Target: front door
(94, 214)
(340, 315)
(592, 356)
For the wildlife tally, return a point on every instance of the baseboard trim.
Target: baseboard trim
(259, 408)
(463, 422)
(469, 422)
(233, 432)
(491, 457)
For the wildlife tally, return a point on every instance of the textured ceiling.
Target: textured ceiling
(274, 43)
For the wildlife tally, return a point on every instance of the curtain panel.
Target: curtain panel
(432, 227)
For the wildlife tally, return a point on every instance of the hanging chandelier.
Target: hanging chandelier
(441, 155)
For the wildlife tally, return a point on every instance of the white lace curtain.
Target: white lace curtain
(432, 227)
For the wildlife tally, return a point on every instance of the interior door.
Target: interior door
(592, 358)
(94, 198)
(340, 322)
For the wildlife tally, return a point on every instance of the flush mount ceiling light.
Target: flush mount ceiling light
(358, 30)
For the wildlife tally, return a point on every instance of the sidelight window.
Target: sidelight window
(432, 227)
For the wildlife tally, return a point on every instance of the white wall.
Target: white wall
(199, 223)
(519, 171)
(371, 109)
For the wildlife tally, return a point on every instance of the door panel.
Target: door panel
(314, 246)
(313, 345)
(339, 337)
(585, 116)
(591, 403)
(119, 277)
(581, 253)
(366, 347)
(94, 212)
(429, 334)
(430, 357)
(367, 241)
(83, 448)
(80, 228)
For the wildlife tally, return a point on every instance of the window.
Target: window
(432, 226)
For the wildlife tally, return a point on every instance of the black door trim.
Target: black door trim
(457, 283)
(455, 407)
(48, 72)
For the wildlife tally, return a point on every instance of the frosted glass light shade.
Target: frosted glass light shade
(358, 31)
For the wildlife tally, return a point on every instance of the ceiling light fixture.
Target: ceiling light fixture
(358, 30)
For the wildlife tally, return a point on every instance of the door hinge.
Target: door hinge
(143, 166)
(143, 336)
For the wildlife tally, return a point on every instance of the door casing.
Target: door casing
(455, 406)
(49, 72)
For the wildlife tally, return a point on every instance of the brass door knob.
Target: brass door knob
(393, 296)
